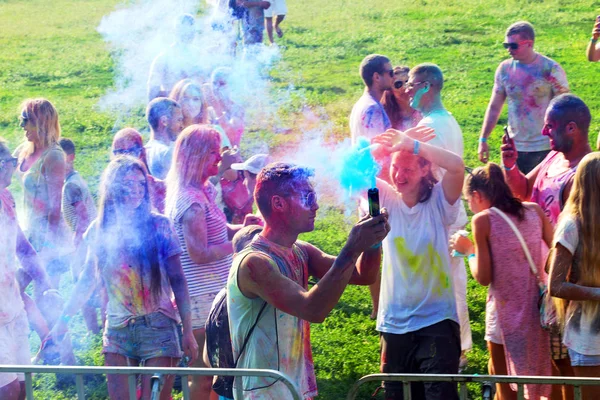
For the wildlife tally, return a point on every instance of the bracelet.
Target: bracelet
(65, 318)
(416, 145)
(376, 246)
(472, 255)
(511, 168)
(482, 140)
(593, 40)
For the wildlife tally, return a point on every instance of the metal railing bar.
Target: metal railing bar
(79, 386)
(463, 391)
(185, 389)
(520, 391)
(132, 383)
(28, 386)
(577, 392)
(407, 394)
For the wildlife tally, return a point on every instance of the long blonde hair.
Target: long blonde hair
(179, 91)
(41, 113)
(583, 206)
(192, 148)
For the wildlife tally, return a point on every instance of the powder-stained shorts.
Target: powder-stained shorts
(278, 7)
(145, 337)
(200, 307)
(14, 347)
(583, 360)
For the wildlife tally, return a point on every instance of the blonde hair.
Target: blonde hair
(192, 148)
(583, 206)
(41, 113)
(179, 91)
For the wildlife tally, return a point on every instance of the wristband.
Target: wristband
(482, 140)
(509, 169)
(416, 145)
(472, 255)
(376, 246)
(593, 40)
(65, 318)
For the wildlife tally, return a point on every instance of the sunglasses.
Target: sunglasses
(411, 85)
(23, 118)
(133, 151)
(399, 84)
(390, 73)
(514, 46)
(309, 200)
(8, 161)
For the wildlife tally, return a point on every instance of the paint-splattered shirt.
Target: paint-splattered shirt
(11, 304)
(582, 330)
(416, 282)
(127, 279)
(528, 89)
(368, 118)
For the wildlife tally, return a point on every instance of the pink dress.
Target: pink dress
(514, 289)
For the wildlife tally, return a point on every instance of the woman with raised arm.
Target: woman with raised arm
(136, 253)
(515, 339)
(202, 228)
(417, 315)
(575, 272)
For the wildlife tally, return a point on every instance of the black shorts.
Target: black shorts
(434, 349)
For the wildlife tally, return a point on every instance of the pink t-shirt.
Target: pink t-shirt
(548, 187)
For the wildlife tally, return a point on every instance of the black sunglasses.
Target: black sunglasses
(390, 72)
(399, 84)
(512, 46)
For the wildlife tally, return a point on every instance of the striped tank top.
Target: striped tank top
(211, 277)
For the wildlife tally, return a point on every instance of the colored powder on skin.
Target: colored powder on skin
(357, 168)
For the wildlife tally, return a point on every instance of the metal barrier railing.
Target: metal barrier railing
(156, 373)
(487, 380)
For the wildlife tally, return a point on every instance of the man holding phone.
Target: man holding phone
(529, 81)
(593, 49)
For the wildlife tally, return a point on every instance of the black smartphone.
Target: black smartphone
(373, 196)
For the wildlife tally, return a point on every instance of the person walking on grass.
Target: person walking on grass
(575, 274)
(417, 318)
(516, 342)
(528, 81)
(137, 255)
(271, 274)
(566, 124)
(278, 10)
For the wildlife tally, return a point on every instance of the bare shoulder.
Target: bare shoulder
(534, 207)
(481, 221)
(257, 266)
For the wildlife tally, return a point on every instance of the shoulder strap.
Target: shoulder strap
(248, 252)
(521, 240)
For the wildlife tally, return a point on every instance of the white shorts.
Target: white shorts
(492, 328)
(278, 7)
(200, 307)
(14, 347)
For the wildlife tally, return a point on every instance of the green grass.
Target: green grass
(51, 49)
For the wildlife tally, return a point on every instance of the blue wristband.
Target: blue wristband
(376, 246)
(472, 255)
(482, 140)
(416, 146)
(509, 169)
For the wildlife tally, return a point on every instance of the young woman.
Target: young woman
(41, 168)
(14, 329)
(201, 226)
(417, 314)
(575, 272)
(396, 102)
(516, 341)
(136, 253)
(188, 94)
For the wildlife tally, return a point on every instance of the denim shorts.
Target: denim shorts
(583, 360)
(145, 337)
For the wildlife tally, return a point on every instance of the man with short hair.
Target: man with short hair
(424, 87)
(273, 272)
(529, 81)
(166, 122)
(179, 61)
(368, 117)
(566, 124)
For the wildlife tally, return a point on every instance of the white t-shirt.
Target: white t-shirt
(159, 157)
(177, 62)
(416, 284)
(449, 137)
(368, 118)
(581, 330)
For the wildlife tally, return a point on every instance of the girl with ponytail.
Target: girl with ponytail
(516, 341)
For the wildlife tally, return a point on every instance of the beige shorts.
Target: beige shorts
(14, 347)
(278, 7)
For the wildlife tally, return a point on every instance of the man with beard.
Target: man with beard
(166, 122)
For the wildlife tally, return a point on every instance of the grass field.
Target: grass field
(51, 49)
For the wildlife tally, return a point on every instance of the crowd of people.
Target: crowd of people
(174, 225)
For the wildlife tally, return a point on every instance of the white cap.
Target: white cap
(254, 164)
